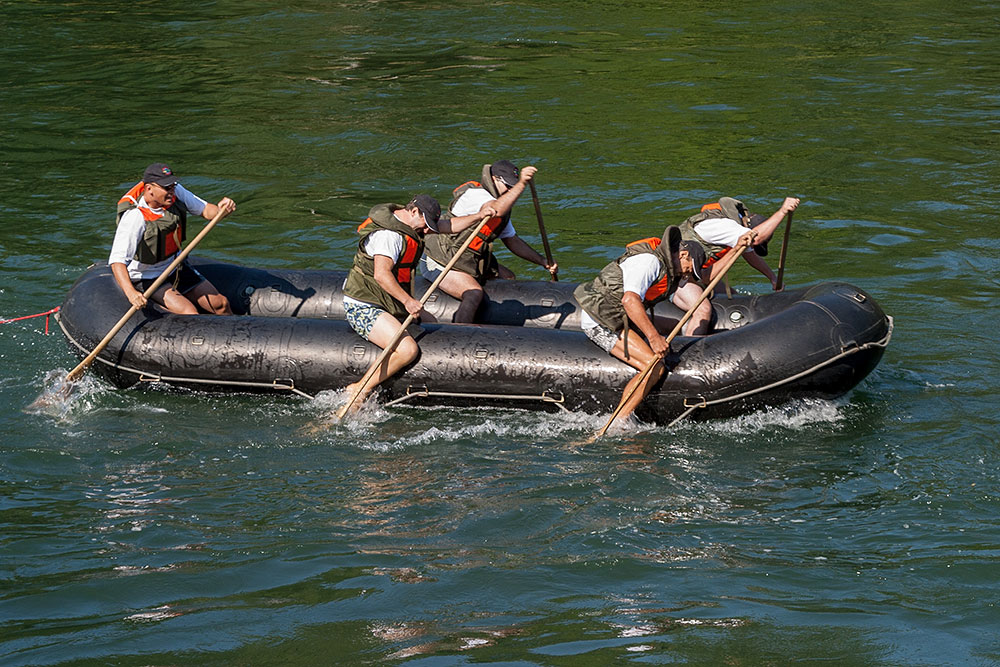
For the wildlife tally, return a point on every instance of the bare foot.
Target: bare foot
(349, 392)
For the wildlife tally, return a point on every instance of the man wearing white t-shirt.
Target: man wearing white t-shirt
(378, 292)
(152, 221)
(501, 186)
(719, 228)
(614, 304)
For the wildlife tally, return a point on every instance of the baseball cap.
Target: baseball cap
(505, 171)
(429, 207)
(697, 254)
(160, 174)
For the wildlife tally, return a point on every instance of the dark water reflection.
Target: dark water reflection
(150, 526)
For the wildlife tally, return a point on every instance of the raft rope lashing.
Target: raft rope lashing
(45, 314)
(845, 352)
(278, 384)
(544, 397)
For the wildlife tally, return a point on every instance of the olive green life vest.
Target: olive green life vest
(478, 260)
(727, 207)
(164, 233)
(602, 297)
(361, 283)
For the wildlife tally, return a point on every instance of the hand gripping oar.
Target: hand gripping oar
(541, 227)
(726, 264)
(779, 283)
(409, 318)
(79, 370)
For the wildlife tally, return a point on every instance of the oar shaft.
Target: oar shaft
(388, 349)
(76, 372)
(780, 282)
(541, 226)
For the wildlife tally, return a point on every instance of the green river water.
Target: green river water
(164, 527)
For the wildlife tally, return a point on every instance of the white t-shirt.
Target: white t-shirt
(130, 231)
(471, 201)
(382, 242)
(722, 231)
(639, 272)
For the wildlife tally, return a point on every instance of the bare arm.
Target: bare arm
(212, 210)
(463, 222)
(757, 262)
(765, 230)
(637, 315)
(519, 247)
(134, 296)
(505, 202)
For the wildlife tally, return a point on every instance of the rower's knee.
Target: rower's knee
(407, 350)
(218, 305)
(701, 320)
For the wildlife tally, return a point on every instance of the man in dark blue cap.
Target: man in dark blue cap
(378, 292)
(152, 223)
(720, 226)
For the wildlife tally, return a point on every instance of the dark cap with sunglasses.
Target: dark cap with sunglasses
(160, 174)
(429, 208)
(505, 171)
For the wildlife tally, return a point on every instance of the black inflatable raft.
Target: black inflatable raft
(289, 336)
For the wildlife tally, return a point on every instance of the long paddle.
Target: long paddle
(79, 370)
(541, 226)
(409, 318)
(784, 251)
(726, 264)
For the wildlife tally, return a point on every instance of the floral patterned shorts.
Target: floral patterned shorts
(361, 317)
(604, 337)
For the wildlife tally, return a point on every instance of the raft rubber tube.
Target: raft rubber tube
(288, 334)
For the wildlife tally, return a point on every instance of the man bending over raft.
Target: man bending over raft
(647, 273)
(501, 186)
(718, 228)
(152, 221)
(378, 292)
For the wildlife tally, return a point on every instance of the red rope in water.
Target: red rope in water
(47, 313)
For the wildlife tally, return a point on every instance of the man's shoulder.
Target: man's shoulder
(471, 201)
(642, 261)
(131, 218)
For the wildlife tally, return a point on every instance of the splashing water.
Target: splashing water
(60, 399)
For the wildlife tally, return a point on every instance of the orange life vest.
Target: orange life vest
(164, 233)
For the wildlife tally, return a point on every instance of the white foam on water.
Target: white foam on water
(795, 415)
(65, 401)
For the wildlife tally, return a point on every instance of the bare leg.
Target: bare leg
(463, 286)
(640, 356)
(402, 356)
(684, 298)
(208, 298)
(174, 301)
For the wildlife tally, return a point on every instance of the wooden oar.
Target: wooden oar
(387, 350)
(779, 283)
(726, 264)
(541, 226)
(82, 367)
